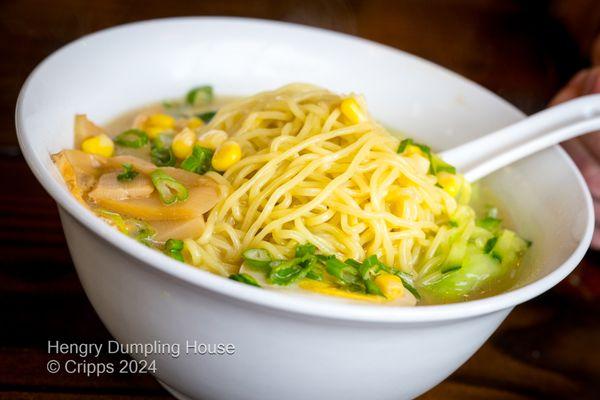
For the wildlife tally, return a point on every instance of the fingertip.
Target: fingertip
(595, 244)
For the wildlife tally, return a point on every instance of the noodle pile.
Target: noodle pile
(309, 175)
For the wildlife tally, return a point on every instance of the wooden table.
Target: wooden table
(522, 50)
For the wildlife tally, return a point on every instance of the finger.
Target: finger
(590, 82)
(597, 211)
(587, 164)
(592, 140)
(596, 240)
(572, 89)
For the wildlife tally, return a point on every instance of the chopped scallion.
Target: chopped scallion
(199, 95)
(346, 274)
(305, 249)
(199, 161)
(161, 154)
(286, 272)
(207, 116)
(169, 189)
(244, 278)
(133, 138)
(257, 258)
(128, 173)
(174, 248)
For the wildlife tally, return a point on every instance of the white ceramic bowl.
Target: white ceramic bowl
(287, 347)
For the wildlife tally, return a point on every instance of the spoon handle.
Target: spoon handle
(482, 156)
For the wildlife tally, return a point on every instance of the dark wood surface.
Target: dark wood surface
(522, 50)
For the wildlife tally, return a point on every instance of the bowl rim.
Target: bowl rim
(275, 300)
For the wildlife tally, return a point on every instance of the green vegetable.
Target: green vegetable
(408, 142)
(477, 269)
(346, 275)
(489, 245)
(141, 231)
(244, 278)
(489, 223)
(372, 288)
(145, 236)
(199, 161)
(161, 154)
(258, 259)
(436, 164)
(133, 138)
(450, 269)
(169, 189)
(286, 272)
(353, 263)
(128, 174)
(305, 249)
(207, 116)
(508, 248)
(455, 255)
(315, 273)
(162, 157)
(368, 269)
(199, 95)
(173, 248)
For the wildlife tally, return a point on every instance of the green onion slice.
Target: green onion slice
(244, 278)
(128, 173)
(436, 164)
(489, 223)
(372, 288)
(169, 189)
(199, 95)
(207, 116)
(305, 249)
(286, 272)
(174, 248)
(199, 161)
(133, 138)
(489, 245)
(257, 258)
(162, 157)
(346, 274)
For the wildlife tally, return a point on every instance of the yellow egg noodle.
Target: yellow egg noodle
(311, 175)
(295, 187)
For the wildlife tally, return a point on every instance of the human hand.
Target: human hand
(585, 150)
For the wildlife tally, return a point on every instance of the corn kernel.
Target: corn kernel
(183, 143)
(164, 120)
(450, 182)
(226, 155)
(194, 123)
(156, 124)
(391, 286)
(352, 110)
(100, 144)
(329, 290)
(412, 149)
(212, 139)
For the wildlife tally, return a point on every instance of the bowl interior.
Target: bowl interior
(114, 71)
